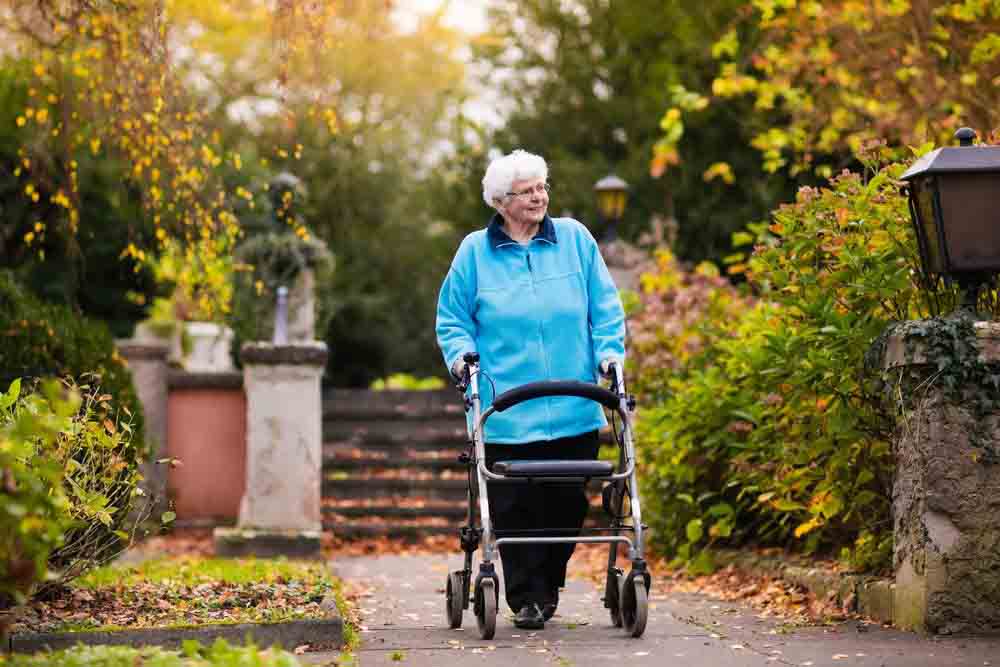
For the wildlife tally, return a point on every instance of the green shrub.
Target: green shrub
(46, 340)
(96, 452)
(219, 654)
(81, 453)
(33, 507)
(773, 433)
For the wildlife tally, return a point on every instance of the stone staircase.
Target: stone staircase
(390, 464)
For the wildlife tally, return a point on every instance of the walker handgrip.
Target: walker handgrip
(526, 392)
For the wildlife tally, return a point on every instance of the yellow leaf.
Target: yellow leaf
(808, 526)
(719, 170)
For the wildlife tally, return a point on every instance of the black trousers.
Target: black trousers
(536, 572)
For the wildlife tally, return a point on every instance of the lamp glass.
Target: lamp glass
(928, 230)
(611, 203)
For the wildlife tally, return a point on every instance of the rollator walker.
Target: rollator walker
(625, 596)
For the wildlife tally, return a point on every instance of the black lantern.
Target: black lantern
(955, 205)
(612, 192)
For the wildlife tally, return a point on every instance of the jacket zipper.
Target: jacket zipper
(541, 336)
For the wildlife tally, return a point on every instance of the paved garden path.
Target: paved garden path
(402, 613)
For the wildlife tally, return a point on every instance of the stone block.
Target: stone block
(875, 600)
(241, 542)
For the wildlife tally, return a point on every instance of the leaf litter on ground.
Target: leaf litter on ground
(769, 596)
(182, 591)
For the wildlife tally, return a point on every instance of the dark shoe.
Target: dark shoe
(549, 608)
(529, 617)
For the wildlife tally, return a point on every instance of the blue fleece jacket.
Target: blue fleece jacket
(548, 310)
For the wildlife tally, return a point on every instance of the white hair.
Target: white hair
(518, 166)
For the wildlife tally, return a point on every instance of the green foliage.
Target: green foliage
(408, 382)
(33, 507)
(588, 83)
(774, 433)
(84, 449)
(219, 654)
(49, 340)
(84, 270)
(99, 461)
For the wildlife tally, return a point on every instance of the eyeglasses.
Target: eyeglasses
(537, 190)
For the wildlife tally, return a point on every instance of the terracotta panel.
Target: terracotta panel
(207, 432)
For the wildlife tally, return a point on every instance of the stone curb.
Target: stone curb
(289, 634)
(865, 595)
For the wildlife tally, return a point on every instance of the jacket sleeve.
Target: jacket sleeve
(605, 312)
(455, 327)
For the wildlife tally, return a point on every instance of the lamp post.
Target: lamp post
(954, 196)
(612, 193)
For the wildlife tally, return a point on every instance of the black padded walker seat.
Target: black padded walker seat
(554, 468)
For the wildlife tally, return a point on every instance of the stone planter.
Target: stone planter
(210, 345)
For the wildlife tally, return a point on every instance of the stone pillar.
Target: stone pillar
(147, 361)
(280, 510)
(946, 493)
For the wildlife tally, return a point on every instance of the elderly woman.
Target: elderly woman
(532, 295)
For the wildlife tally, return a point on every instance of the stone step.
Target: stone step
(351, 450)
(397, 434)
(354, 404)
(453, 511)
(412, 472)
(418, 466)
(429, 489)
(355, 530)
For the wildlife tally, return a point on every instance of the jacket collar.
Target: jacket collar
(498, 237)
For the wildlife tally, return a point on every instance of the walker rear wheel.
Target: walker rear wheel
(453, 600)
(486, 607)
(634, 606)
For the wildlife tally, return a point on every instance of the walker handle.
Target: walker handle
(526, 392)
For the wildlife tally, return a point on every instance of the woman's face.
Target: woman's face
(526, 202)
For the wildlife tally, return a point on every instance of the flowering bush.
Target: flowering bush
(678, 316)
(771, 431)
(200, 274)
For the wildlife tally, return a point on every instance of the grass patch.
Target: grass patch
(192, 571)
(219, 654)
(189, 592)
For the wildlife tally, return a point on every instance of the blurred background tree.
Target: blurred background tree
(830, 77)
(585, 84)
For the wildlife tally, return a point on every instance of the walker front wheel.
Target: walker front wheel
(634, 606)
(453, 600)
(486, 607)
